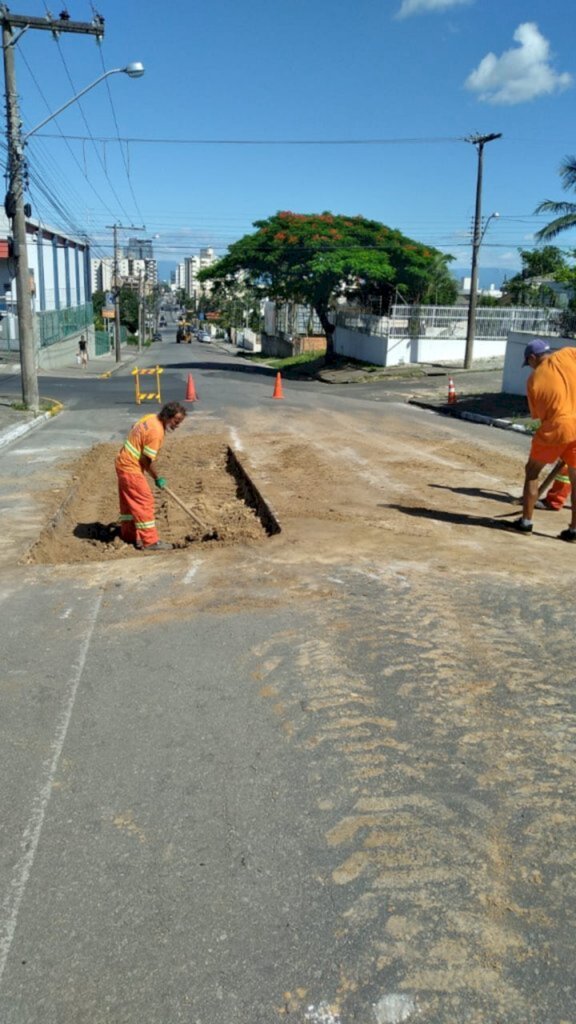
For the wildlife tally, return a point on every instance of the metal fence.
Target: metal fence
(55, 325)
(101, 343)
(451, 322)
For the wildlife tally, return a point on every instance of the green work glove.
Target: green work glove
(161, 482)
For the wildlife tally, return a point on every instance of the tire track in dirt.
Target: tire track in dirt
(447, 760)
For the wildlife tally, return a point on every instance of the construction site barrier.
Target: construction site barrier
(142, 396)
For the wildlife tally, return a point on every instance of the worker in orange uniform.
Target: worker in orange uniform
(558, 493)
(551, 393)
(134, 460)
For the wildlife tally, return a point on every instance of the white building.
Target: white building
(130, 272)
(192, 267)
(60, 295)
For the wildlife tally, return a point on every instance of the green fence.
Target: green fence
(101, 343)
(104, 343)
(57, 324)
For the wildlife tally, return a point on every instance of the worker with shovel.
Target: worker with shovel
(551, 393)
(136, 458)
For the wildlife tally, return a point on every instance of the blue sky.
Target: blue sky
(434, 71)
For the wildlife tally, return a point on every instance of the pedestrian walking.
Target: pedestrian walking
(83, 351)
(551, 393)
(135, 459)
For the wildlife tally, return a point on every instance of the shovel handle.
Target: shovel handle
(185, 507)
(553, 472)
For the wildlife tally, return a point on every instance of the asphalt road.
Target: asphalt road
(239, 790)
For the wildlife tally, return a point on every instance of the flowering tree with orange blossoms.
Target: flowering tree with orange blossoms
(313, 257)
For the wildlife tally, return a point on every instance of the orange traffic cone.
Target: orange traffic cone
(278, 393)
(451, 391)
(191, 395)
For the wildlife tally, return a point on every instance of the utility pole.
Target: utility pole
(479, 141)
(115, 228)
(14, 204)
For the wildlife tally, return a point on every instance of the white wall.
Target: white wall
(399, 351)
(515, 375)
(433, 350)
(366, 347)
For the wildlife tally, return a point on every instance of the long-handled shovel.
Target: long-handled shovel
(209, 534)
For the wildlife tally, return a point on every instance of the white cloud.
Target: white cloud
(409, 7)
(521, 73)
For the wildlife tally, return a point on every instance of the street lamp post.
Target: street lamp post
(479, 141)
(15, 208)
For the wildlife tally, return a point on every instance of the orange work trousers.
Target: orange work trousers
(559, 491)
(136, 519)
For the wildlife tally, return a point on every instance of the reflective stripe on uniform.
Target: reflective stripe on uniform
(562, 479)
(146, 526)
(130, 448)
(125, 519)
(150, 452)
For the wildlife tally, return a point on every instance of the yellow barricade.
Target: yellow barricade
(142, 396)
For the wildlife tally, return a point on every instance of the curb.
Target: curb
(15, 433)
(473, 417)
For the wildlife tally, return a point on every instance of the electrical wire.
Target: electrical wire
(90, 136)
(68, 146)
(124, 158)
(262, 142)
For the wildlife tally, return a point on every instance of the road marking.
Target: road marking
(236, 442)
(394, 1009)
(31, 835)
(192, 570)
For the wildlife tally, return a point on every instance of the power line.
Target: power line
(90, 136)
(124, 157)
(257, 142)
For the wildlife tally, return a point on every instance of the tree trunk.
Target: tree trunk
(328, 328)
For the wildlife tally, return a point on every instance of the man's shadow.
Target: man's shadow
(458, 518)
(103, 532)
(479, 492)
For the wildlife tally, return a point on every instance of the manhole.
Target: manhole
(205, 474)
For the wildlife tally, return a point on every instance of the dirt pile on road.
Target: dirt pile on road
(202, 471)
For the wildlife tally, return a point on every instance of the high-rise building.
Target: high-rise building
(192, 267)
(139, 249)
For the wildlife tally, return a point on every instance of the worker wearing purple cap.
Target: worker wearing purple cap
(551, 393)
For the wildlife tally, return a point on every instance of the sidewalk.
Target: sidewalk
(16, 423)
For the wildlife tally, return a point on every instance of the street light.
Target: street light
(14, 206)
(134, 70)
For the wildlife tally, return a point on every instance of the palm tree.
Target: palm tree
(567, 211)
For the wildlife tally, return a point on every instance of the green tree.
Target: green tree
(310, 258)
(129, 309)
(566, 211)
(524, 289)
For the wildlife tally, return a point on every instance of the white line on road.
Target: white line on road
(31, 835)
(192, 570)
(236, 442)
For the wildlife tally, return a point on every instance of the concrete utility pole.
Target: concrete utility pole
(479, 141)
(115, 228)
(14, 202)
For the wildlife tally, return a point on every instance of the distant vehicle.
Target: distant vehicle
(203, 336)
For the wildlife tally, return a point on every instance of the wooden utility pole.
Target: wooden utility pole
(14, 204)
(479, 141)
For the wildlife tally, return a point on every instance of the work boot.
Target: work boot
(160, 545)
(521, 527)
(569, 535)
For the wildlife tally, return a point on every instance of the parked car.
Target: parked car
(203, 336)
